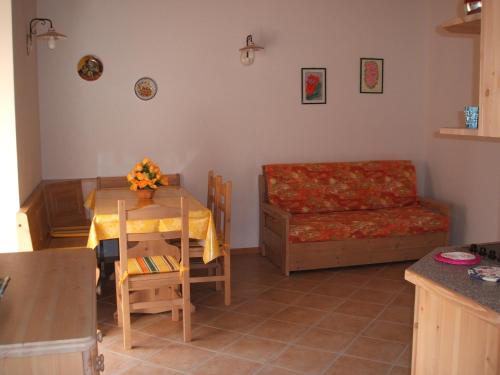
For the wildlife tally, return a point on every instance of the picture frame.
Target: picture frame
(371, 75)
(313, 85)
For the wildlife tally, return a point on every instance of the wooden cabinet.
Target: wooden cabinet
(452, 334)
(487, 25)
(48, 313)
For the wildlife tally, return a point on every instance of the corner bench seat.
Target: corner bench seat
(53, 216)
(323, 215)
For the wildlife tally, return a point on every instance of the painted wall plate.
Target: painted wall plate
(145, 88)
(90, 68)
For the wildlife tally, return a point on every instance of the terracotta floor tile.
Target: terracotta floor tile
(299, 315)
(271, 370)
(110, 333)
(143, 346)
(256, 349)
(326, 340)
(164, 328)
(317, 301)
(105, 312)
(216, 300)
(404, 299)
(299, 285)
(344, 323)
(329, 288)
(180, 357)
(364, 309)
(213, 338)
(280, 295)
(204, 314)
(278, 330)
(351, 279)
(305, 360)
(405, 359)
(317, 275)
(389, 331)
(247, 290)
(346, 365)
(378, 350)
(374, 296)
(398, 314)
(260, 308)
(148, 369)
(400, 371)
(394, 271)
(235, 322)
(385, 285)
(116, 362)
(227, 365)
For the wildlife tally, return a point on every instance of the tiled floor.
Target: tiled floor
(354, 321)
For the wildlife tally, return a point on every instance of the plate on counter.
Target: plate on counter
(458, 257)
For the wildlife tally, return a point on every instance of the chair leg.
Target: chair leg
(127, 339)
(186, 309)
(227, 278)
(175, 313)
(218, 272)
(119, 302)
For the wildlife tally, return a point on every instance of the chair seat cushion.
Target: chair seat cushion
(152, 264)
(389, 222)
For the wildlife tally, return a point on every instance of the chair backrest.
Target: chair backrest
(223, 191)
(211, 192)
(153, 243)
(121, 181)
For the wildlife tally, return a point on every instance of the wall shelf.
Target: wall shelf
(459, 131)
(464, 25)
(464, 133)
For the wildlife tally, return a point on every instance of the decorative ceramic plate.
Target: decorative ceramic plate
(486, 273)
(458, 257)
(89, 68)
(145, 88)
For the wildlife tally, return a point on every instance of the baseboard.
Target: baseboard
(245, 250)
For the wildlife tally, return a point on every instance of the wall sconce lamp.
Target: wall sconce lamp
(51, 35)
(248, 52)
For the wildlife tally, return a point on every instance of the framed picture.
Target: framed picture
(371, 75)
(313, 85)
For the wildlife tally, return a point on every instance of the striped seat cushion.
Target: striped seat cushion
(152, 264)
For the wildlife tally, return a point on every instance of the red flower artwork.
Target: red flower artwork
(313, 86)
(371, 74)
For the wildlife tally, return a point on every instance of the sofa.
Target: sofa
(324, 215)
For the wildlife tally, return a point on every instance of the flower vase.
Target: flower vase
(145, 194)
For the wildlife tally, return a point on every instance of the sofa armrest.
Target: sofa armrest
(275, 212)
(435, 205)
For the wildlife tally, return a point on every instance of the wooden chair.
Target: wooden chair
(164, 269)
(222, 219)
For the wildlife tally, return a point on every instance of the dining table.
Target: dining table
(105, 223)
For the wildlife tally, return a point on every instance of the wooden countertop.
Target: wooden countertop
(49, 305)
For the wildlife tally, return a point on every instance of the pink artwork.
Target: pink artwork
(372, 76)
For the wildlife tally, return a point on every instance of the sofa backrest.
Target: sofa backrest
(330, 187)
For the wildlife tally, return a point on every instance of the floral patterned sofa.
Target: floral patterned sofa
(325, 215)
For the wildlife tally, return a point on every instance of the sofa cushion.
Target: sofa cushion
(332, 187)
(400, 221)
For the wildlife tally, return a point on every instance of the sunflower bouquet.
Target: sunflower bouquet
(146, 175)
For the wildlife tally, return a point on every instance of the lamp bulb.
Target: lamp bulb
(52, 42)
(247, 57)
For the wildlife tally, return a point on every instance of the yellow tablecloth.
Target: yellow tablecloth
(105, 223)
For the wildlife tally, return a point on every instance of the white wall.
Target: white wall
(212, 112)
(9, 194)
(26, 90)
(463, 172)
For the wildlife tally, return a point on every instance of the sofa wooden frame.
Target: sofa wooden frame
(288, 256)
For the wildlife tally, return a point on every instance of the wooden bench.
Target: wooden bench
(53, 216)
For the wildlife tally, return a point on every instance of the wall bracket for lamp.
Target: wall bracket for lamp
(51, 35)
